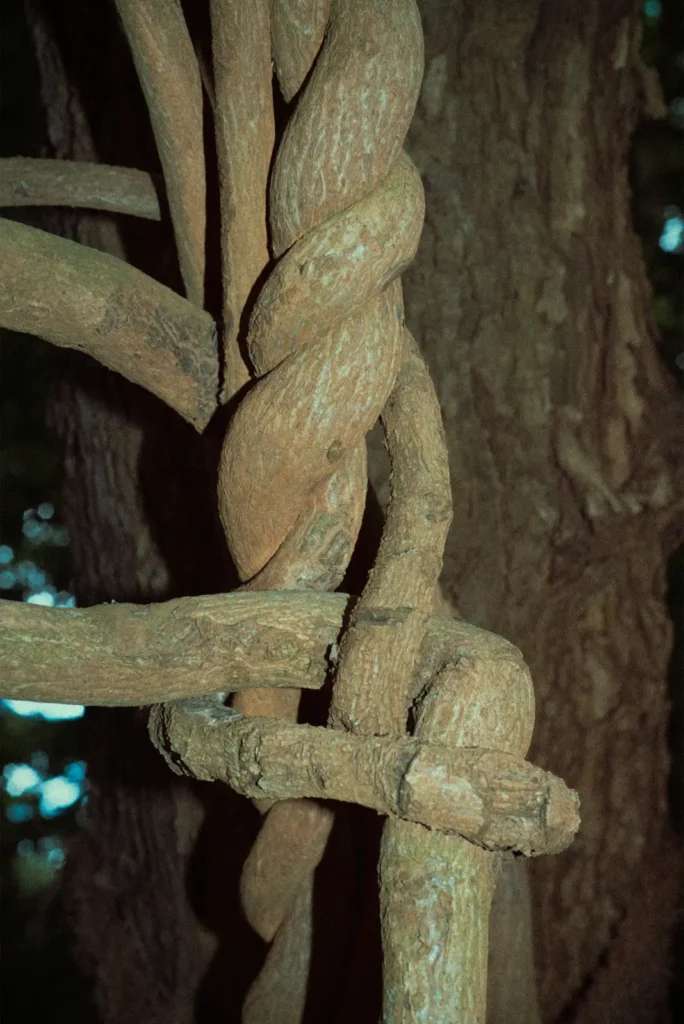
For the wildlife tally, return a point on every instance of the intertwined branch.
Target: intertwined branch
(121, 654)
(326, 331)
(314, 346)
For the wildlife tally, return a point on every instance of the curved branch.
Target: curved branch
(79, 298)
(297, 31)
(408, 562)
(25, 181)
(169, 74)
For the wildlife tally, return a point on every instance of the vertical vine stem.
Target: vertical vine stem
(378, 650)
(325, 334)
(436, 889)
(169, 74)
(245, 135)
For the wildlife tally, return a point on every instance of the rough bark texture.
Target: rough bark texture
(300, 433)
(495, 800)
(245, 134)
(135, 920)
(96, 303)
(137, 502)
(529, 297)
(169, 74)
(439, 895)
(131, 654)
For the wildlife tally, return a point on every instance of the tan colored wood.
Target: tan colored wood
(245, 136)
(125, 654)
(437, 889)
(170, 78)
(25, 181)
(78, 298)
(496, 800)
(299, 433)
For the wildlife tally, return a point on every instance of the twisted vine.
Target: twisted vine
(326, 336)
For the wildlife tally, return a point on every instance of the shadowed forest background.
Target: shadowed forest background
(138, 522)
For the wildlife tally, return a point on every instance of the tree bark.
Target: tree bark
(530, 300)
(529, 297)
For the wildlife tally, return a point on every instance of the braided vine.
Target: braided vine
(330, 352)
(326, 340)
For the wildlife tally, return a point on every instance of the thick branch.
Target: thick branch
(496, 800)
(28, 182)
(169, 75)
(439, 885)
(126, 654)
(297, 32)
(79, 298)
(139, 654)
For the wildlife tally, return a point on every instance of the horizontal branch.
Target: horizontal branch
(492, 798)
(123, 654)
(25, 181)
(79, 298)
(126, 654)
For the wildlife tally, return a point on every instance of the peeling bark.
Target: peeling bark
(495, 800)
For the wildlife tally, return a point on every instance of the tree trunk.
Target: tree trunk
(530, 301)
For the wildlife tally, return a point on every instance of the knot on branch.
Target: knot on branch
(495, 800)
(446, 776)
